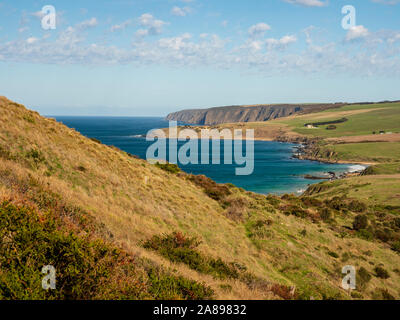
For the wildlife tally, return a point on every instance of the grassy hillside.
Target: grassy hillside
(374, 152)
(129, 229)
(362, 120)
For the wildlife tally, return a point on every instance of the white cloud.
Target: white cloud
(38, 14)
(258, 29)
(175, 43)
(142, 33)
(356, 32)
(122, 26)
(394, 38)
(152, 25)
(23, 29)
(308, 3)
(281, 43)
(181, 12)
(378, 54)
(389, 2)
(31, 40)
(88, 24)
(270, 44)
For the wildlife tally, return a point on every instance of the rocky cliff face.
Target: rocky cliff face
(231, 114)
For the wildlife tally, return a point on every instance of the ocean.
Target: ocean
(275, 169)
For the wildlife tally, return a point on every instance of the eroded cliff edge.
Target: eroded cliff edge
(229, 114)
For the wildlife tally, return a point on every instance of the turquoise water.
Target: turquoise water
(275, 170)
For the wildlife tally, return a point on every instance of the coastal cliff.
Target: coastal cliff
(254, 113)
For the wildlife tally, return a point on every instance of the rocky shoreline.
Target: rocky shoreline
(308, 150)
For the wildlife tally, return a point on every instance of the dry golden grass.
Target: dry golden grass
(135, 200)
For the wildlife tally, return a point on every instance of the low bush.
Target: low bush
(273, 200)
(311, 202)
(325, 214)
(211, 188)
(168, 167)
(86, 267)
(283, 291)
(295, 211)
(35, 157)
(362, 278)
(357, 206)
(381, 273)
(365, 234)
(396, 246)
(360, 222)
(333, 254)
(259, 229)
(169, 287)
(30, 242)
(95, 140)
(336, 203)
(179, 248)
(383, 294)
(384, 235)
(396, 222)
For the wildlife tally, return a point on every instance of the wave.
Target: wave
(137, 136)
(356, 168)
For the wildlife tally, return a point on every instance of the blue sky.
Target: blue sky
(152, 57)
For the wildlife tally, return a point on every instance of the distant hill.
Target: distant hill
(251, 113)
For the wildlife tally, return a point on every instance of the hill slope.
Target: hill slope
(130, 229)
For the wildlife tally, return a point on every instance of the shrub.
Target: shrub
(35, 155)
(357, 206)
(360, 222)
(226, 287)
(179, 248)
(381, 273)
(356, 295)
(86, 268)
(311, 202)
(211, 188)
(168, 167)
(383, 294)
(333, 254)
(384, 235)
(168, 287)
(295, 211)
(81, 168)
(397, 222)
(396, 246)
(259, 229)
(363, 277)
(234, 213)
(273, 200)
(95, 140)
(336, 203)
(30, 242)
(365, 234)
(326, 214)
(285, 292)
(345, 256)
(289, 197)
(236, 207)
(331, 127)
